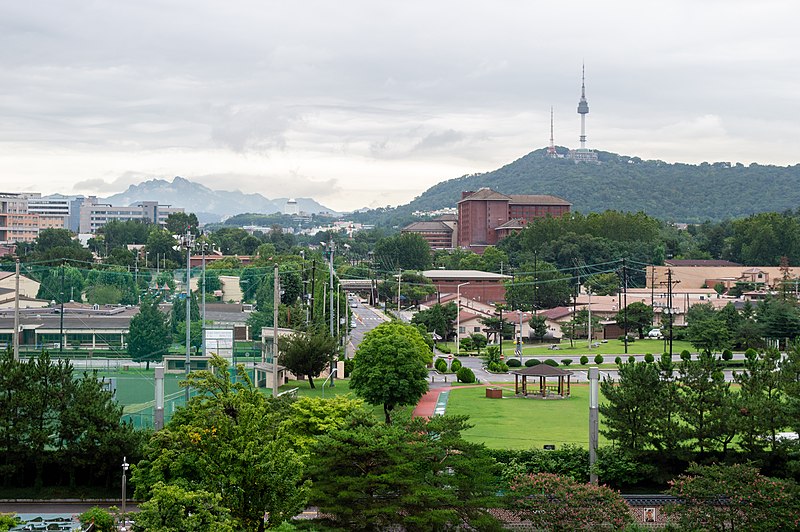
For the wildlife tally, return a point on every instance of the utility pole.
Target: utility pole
(203, 246)
(625, 302)
(330, 266)
(61, 328)
(399, 280)
(669, 310)
(313, 285)
(16, 312)
(276, 303)
(187, 363)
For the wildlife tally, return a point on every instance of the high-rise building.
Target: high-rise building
(95, 215)
(56, 210)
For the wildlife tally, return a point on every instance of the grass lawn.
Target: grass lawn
(515, 423)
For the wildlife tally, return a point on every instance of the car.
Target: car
(353, 304)
(352, 324)
(655, 333)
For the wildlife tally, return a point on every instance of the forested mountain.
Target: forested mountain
(669, 191)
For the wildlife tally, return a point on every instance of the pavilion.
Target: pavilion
(543, 371)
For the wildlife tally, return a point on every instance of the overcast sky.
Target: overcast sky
(369, 103)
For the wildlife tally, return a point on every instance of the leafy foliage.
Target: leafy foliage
(390, 367)
(735, 497)
(465, 375)
(307, 353)
(227, 441)
(419, 475)
(556, 503)
(172, 508)
(149, 336)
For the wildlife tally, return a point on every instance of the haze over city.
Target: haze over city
(367, 104)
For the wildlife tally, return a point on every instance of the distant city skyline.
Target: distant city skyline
(364, 104)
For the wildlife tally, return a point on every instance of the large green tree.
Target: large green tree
(390, 367)
(149, 335)
(763, 409)
(634, 400)
(172, 508)
(227, 441)
(307, 353)
(418, 475)
(438, 318)
(638, 316)
(407, 251)
(61, 285)
(539, 287)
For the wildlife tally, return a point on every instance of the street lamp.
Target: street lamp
(125, 466)
(187, 242)
(458, 316)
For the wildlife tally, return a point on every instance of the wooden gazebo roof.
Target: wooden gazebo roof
(541, 370)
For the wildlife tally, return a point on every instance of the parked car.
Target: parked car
(655, 333)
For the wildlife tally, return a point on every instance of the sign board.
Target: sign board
(219, 342)
(549, 447)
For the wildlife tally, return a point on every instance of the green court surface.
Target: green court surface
(523, 423)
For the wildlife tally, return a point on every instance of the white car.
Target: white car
(655, 333)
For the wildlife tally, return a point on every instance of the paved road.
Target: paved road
(366, 319)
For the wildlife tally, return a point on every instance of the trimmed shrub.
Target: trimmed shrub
(465, 375)
(727, 355)
(455, 365)
(686, 355)
(551, 362)
(750, 353)
(532, 362)
(649, 358)
(441, 365)
(631, 359)
(497, 367)
(598, 359)
(566, 361)
(618, 361)
(513, 363)
(584, 360)
(102, 519)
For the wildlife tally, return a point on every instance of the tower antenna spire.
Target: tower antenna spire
(551, 150)
(582, 153)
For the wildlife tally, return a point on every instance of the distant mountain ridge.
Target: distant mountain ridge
(670, 191)
(209, 205)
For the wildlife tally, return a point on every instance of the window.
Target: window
(461, 330)
(476, 329)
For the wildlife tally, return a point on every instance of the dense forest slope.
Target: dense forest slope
(675, 192)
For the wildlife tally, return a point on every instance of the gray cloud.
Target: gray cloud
(324, 96)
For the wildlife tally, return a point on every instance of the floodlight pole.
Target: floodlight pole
(594, 381)
(158, 411)
(276, 303)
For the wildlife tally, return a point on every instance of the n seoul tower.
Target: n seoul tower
(583, 107)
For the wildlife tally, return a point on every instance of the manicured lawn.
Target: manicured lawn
(342, 386)
(516, 423)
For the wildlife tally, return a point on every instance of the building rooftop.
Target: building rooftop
(464, 274)
(534, 199)
(486, 194)
(432, 225)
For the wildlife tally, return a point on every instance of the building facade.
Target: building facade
(94, 215)
(440, 234)
(483, 216)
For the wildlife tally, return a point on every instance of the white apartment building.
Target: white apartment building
(95, 215)
(56, 210)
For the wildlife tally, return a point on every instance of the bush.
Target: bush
(103, 521)
(631, 359)
(750, 353)
(444, 349)
(649, 358)
(465, 375)
(455, 365)
(598, 359)
(349, 364)
(566, 361)
(497, 367)
(727, 355)
(551, 362)
(513, 363)
(441, 365)
(618, 361)
(532, 362)
(584, 360)
(686, 355)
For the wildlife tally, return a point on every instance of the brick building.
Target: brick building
(484, 216)
(484, 287)
(440, 233)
